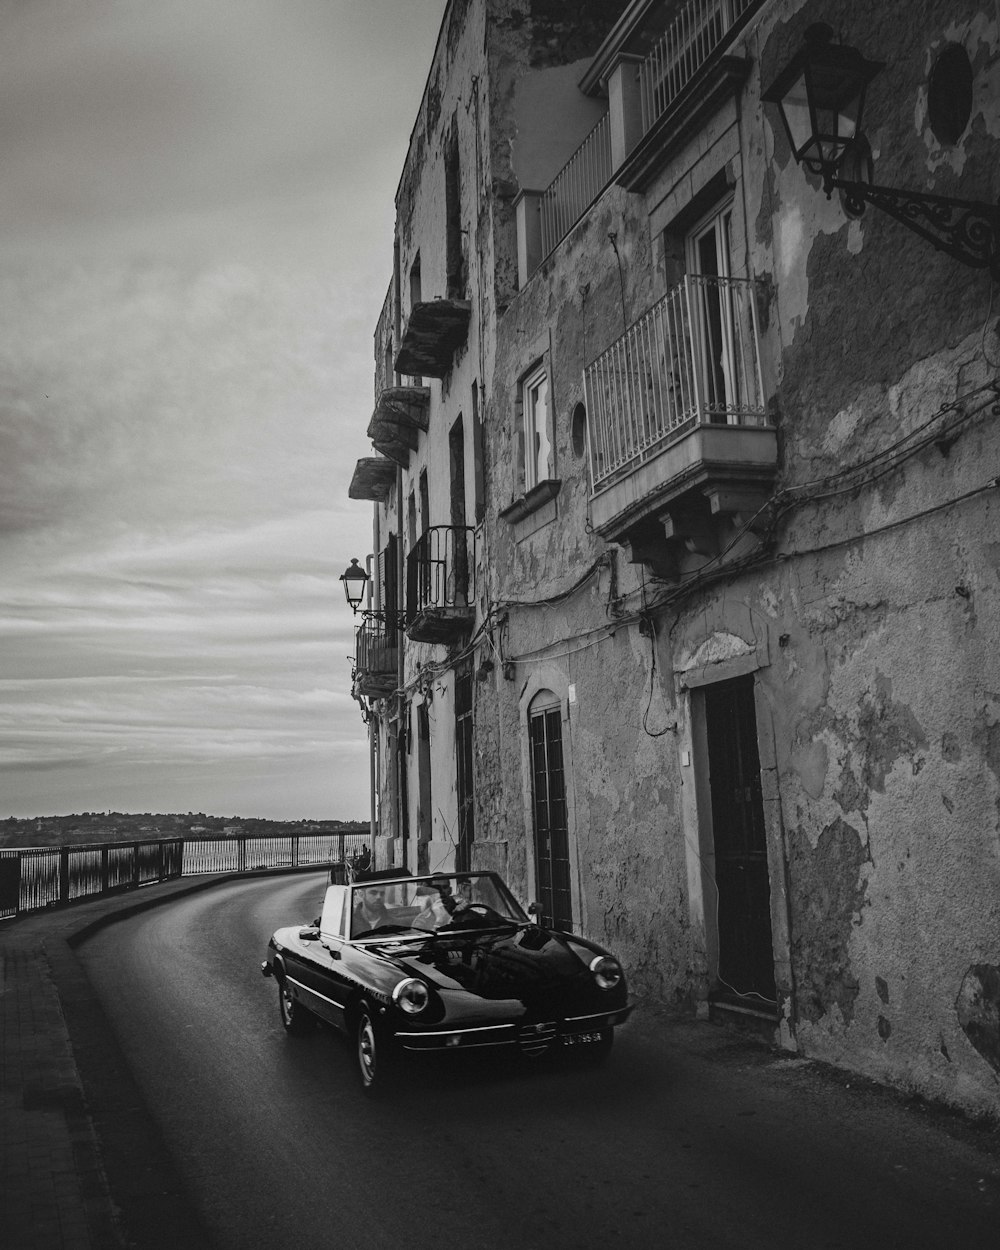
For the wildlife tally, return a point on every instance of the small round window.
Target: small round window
(579, 431)
(949, 94)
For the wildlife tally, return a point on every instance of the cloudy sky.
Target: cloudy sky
(196, 211)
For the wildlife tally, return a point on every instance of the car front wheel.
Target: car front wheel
(375, 1065)
(295, 1018)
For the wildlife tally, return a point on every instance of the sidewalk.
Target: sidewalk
(70, 1112)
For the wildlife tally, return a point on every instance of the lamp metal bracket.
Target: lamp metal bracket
(965, 229)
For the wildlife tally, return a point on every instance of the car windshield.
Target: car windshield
(419, 906)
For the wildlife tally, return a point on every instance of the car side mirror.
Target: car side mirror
(534, 909)
(309, 935)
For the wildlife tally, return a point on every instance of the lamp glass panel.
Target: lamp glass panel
(847, 125)
(829, 141)
(798, 117)
(837, 90)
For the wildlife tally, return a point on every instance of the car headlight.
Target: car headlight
(607, 971)
(411, 995)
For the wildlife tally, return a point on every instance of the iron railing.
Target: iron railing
(576, 186)
(441, 570)
(693, 357)
(32, 878)
(700, 29)
(377, 644)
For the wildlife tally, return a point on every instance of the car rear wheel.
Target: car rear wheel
(295, 1018)
(375, 1066)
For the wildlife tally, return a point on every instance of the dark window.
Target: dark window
(949, 94)
(548, 797)
(388, 572)
(578, 432)
(464, 761)
(425, 503)
(455, 249)
(424, 809)
(746, 959)
(479, 469)
(416, 286)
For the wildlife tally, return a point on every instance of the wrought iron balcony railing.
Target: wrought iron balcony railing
(701, 28)
(576, 186)
(693, 358)
(377, 655)
(440, 584)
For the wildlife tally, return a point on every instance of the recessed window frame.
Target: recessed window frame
(536, 432)
(547, 692)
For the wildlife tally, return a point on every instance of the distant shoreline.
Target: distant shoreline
(38, 831)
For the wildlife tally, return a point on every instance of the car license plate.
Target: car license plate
(579, 1039)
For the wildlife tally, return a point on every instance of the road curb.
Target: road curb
(85, 1158)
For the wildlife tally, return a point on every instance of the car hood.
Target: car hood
(526, 964)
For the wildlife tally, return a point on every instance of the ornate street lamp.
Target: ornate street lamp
(821, 97)
(355, 579)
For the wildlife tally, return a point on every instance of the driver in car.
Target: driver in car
(433, 911)
(463, 893)
(371, 912)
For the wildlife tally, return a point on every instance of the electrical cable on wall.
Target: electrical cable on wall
(851, 478)
(672, 727)
(613, 236)
(551, 600)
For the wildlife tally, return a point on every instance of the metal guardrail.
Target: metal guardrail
(693, 357)
(33, 878)
(576, 186)
(701, 28)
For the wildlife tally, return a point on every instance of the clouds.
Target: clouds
(153, 110)
(195, 242)
(158, 390)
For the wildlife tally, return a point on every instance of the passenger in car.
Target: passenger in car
(371, 911)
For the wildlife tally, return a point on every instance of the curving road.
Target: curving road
(689, 1138)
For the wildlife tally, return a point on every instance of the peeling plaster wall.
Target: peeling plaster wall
(884, 694)
(455, 99)
(871, 629)
(876, 627)
(630, 847)
(496, 63)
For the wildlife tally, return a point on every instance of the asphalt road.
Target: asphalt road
(688, 1138)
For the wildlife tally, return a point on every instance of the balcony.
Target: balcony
(433, 334)
(399, 418)
(374, 477)
(666, 69)
(680, 440)
(440, 585)
(700, 30)
(376, 656)
(577, 185)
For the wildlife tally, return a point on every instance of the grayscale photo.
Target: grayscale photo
(500, 624)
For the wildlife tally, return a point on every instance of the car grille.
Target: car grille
(535, 1039)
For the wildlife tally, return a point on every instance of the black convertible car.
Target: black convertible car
(447, 962)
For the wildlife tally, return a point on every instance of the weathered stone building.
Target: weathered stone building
(686, 527)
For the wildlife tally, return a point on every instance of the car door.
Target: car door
(315, 966)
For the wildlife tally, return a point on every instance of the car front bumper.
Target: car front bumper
(531, 1038)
